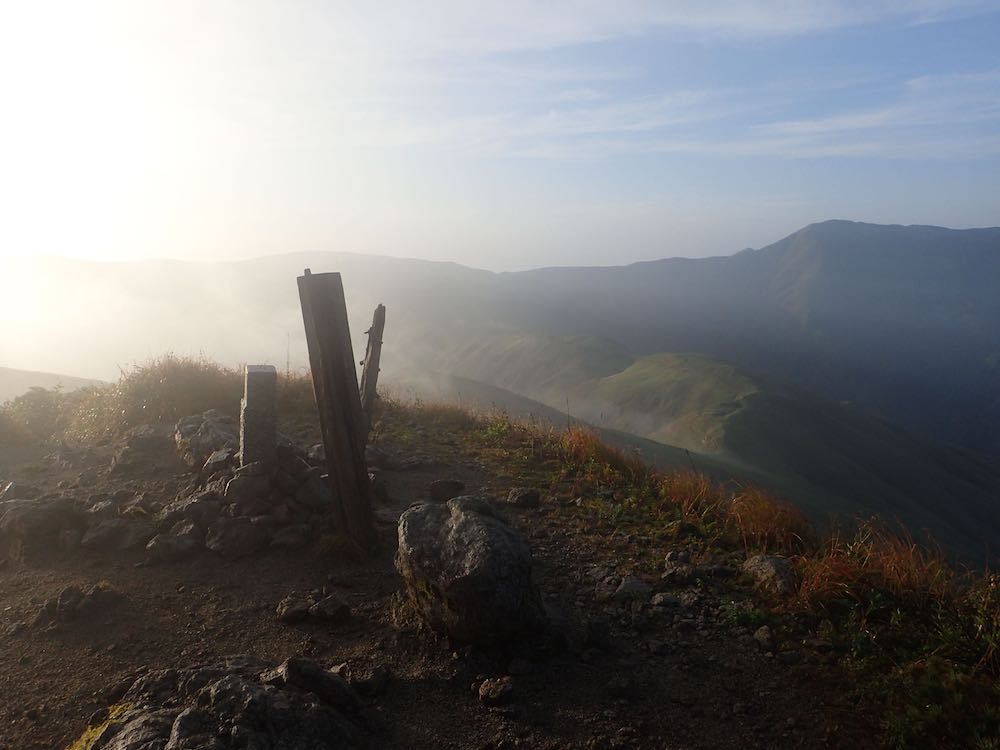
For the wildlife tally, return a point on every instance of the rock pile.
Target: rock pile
(240, 702)
(231, 510)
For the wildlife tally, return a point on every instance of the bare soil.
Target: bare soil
(700, 682)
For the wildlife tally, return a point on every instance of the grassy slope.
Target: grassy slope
(831, 459)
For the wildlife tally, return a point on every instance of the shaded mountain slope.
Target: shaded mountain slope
(830, 459)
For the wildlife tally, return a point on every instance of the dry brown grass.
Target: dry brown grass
(875, 558)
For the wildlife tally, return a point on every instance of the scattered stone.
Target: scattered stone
(679, 573)
(197, 437)
(468, 571)
(33, 526)
(117, 535)
(632, 588)
(307, 675)
(772, 573)
(138, 449)
(604, 590)
(73, 603)
(183, 540)
(443, 490)
(219, 460)
(496, 692)
(331, 609)
(665, 600)
(237, 537)
(297, 705)
(678, 556)
(292, 609)
(247, 490)
(202, 508)
(765, 639)
(524, 497)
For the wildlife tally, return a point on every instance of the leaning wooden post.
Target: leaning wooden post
(335, 385)
(369, 373)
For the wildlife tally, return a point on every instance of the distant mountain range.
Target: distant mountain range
(855, 366)
(15, 382)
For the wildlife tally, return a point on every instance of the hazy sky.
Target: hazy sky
(500, 134)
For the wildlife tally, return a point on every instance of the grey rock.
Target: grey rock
(307, 675)
(117, 535)
(442, 490)
(197, 437)
(138, 449)
(772, 573)
(330, 609)
(15, 490)
(604, 590)
(524, 497)
(247, 489)
(468, 571)
(237, 537)
(632, 588)
(201, 508)
(292, 537)
(292, 609)
(218, 461)
(765, 639)
(315, 493)
(665, 601)
(232, 704)
(33, 526)
(183, 540)
(679, 574)
(496, 692)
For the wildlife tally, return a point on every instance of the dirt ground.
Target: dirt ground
(699, 682)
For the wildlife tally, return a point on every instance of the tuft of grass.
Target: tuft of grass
(159, 391)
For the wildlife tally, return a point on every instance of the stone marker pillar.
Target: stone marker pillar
(258, 415)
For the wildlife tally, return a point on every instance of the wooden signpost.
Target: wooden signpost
(341, 418)
(369, 373)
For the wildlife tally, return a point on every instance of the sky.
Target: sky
(499, 134)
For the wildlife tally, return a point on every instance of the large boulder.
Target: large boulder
(468, 571)
(29, 526)
(200, 435)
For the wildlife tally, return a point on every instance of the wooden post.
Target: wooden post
(369, 373)
(335, 385)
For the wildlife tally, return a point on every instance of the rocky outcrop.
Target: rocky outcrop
(468, 572)
(201, 435)
(298, 704)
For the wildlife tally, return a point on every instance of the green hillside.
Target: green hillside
(830, 459)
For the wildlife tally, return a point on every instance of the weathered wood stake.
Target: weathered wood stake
(369, 373)
(335, 385)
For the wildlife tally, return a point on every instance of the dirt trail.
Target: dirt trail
(693, 680)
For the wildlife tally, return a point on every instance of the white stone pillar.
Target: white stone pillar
(258, 415)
